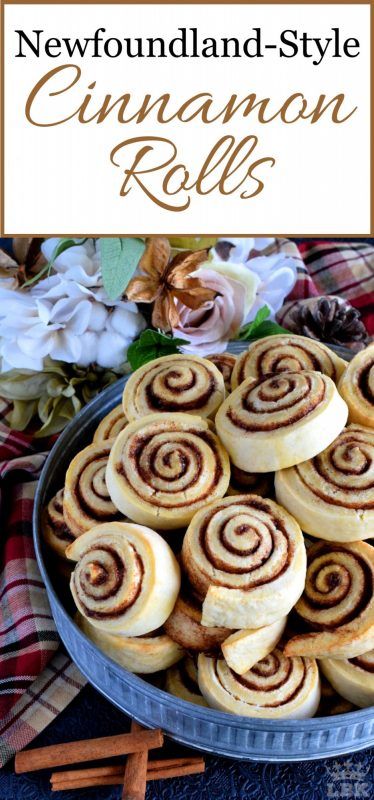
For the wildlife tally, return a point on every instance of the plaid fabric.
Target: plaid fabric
(39, 705)
(338, 268)
(28, 637)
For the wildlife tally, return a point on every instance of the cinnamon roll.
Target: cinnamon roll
(356, 386)
(164, 467)
(174, 383)
(332, 494)
(353, 678)
(225, 362)
(241, 482)
(280, 421)
(338, 602)
(181, 681)
(139, 654)
(286, 353)
(184, 626)
(242, 649)
(126, 579)
(111, 425)
(54, 528)
(245, 558)
(276, 687)
(86, 497)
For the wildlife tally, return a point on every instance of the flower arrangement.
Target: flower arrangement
(77, 313)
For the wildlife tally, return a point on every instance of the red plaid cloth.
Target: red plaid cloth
(28, 637)
(330, 267)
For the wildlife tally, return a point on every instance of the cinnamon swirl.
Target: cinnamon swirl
(164, 467)
(126, 579)
(181, 681)
(353, 678)
(139, 654)
(242, 649)
(184, 626)
(174, 383)
(225, 362)
(55, 530)
(276, 687)
(338, 602)
(356, 386)
(86, 497)
(111, 425)
(245, 558)
(332, 494)
(280, 421)
(286, 353)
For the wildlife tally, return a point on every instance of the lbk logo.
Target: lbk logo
(348, 779)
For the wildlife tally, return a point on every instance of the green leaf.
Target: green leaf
(152, 344)
(61, 246)
(261, 326)
(119, 260)
(249, 329)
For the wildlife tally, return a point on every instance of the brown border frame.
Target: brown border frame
(370, 3)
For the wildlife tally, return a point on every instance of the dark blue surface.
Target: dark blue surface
(90, 715)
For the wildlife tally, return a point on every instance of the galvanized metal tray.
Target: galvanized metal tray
(196, 726)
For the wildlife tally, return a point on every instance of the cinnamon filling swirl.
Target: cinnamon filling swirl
(285, 400)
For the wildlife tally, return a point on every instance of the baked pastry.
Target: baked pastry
(55, 530)
(286, 353)
(353, 678)
(245, 558)
(276, 687)
(337, 603)
(111, 425)
(86, 497)
(242, 482)
(242, 649)
(164, 467)
(332, 494)
(225, 362)
(181, 681)
(184, 626)
(126, 579)
(356, 386)
(280, 421)
(174, 383)
(331, 702)
(139, 654)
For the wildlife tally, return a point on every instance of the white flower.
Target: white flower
(68, 316)
(81, 263)
(273, 276)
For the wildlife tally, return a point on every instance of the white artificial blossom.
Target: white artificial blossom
(67, 316)
(273, 276)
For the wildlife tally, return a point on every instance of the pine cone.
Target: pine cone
(327, 319)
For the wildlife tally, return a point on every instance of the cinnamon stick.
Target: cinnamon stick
(135, 778)
(118, 769)
(58, 755)
(114, 775)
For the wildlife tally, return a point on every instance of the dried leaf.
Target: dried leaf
(156, 256)
(8, 264)
(142, 290)
(21, 247)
